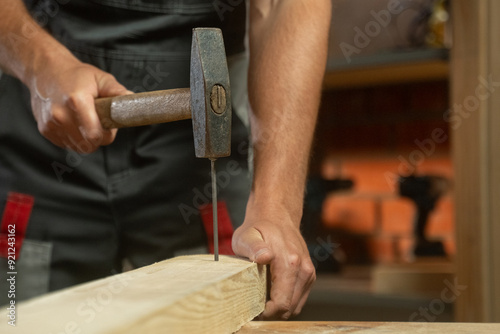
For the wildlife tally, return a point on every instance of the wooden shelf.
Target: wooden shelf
(387, 68)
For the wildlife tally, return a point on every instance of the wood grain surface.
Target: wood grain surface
(475, 124)
(189, 294)
(318, 327)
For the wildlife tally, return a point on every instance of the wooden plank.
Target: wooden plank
(320, 327)
(189, 294)
(476, 155)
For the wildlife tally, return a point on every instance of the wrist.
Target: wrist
(274, 209)
(48, 56)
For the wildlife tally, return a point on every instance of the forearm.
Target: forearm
(62, 88)
(288, 48)
(24, 45)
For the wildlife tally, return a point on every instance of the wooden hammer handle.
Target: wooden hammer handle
(144, 108)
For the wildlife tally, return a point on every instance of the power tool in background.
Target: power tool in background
(424, 191)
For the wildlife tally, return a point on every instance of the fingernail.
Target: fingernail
(82, 130)
(260, 252)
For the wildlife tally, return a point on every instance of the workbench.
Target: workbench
(326, 327)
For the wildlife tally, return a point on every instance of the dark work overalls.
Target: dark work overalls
(138, 198)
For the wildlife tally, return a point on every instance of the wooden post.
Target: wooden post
(189, 294)
(475, 123)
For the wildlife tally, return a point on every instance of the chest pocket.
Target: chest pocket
(179, 7)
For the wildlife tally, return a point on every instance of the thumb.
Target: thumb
(250, 243)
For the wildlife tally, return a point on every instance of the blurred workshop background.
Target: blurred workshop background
(379, 215)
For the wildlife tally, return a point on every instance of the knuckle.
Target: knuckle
(294, 260)
(74, 100)
(94, 135)
(313, 277)
(55, 118)
(284, 310)
(107, 77)
(50, 125)
(309, 270)
(86, 146)
(110, 76)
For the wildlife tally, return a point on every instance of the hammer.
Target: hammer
(207, 101)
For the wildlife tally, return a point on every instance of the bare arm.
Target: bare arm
(20, 37)
(288, 48)
(62, 88)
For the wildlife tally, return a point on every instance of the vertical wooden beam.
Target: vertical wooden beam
(475, 124)
(494, 154)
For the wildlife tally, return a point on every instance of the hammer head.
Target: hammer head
(210, 94)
